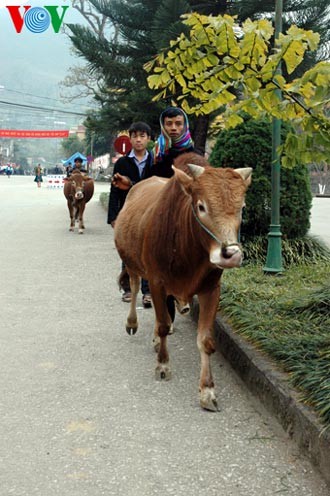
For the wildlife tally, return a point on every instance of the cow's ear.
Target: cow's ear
(184, 180)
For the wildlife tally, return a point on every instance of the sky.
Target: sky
(32, 64)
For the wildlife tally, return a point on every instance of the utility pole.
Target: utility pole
(274, 250)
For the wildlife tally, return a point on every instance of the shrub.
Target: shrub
(250, 145)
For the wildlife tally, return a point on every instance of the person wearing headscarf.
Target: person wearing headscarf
(174, 139)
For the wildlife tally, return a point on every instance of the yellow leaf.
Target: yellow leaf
(165, 76)
(293, 55)
(233, 120)
(154, 81)
(252, 83)
(181, 81)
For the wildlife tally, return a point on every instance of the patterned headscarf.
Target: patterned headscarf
(164, 143)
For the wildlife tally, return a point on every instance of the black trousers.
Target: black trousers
(170, 302)
(126, 287)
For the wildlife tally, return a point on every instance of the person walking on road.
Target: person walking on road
(69, 170)
(78, 164)
(9, 171)
(38, 175)
(174, 140)
(128, 170)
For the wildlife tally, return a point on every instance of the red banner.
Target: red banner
(29, 133)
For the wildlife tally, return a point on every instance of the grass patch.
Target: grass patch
(287, 316)
(308, 249)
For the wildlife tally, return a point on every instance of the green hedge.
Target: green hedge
(250, 145)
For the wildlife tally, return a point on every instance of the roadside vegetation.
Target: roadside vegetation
(287, 316)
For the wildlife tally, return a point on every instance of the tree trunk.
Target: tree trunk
(200, 133)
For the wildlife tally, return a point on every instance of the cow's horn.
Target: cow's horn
(196, 170)
(245, 173)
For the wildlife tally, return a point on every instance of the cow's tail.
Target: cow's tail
(123, 280)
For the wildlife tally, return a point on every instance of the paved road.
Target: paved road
(81, 413)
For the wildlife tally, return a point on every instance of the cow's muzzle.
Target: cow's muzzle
(227, 257)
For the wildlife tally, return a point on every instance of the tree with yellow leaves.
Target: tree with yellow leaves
(221, 65)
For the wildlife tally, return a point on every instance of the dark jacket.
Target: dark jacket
(126, 166)
(164, 167)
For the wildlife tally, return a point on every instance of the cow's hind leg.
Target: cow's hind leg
(208, 303)
(132, 322)
(161, 331)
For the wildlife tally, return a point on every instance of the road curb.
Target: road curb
(270, 385)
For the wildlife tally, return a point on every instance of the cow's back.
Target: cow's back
(136, 215)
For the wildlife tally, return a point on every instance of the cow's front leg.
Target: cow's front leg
(132, 322)
(71, 213)
(208, 304)
(161, 331)
(81, 218)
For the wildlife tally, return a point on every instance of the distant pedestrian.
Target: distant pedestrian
(38, 177)
(69, 169)
(9, 170)
(78, 164)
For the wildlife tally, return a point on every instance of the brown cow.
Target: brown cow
(78, 190)
(180, 234)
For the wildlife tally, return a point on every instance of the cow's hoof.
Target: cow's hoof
(208, 400)
(171, 330)
(131, 330)
(81, 231)
(71, 229)
(163, 372)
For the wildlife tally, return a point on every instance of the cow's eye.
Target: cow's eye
(201, 208)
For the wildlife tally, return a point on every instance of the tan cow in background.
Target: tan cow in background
(78, 190)
(180, 234)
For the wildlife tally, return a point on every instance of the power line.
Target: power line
(42, 109)
(30, 94)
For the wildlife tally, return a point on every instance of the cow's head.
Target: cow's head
(77, 181)
(217, 199)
